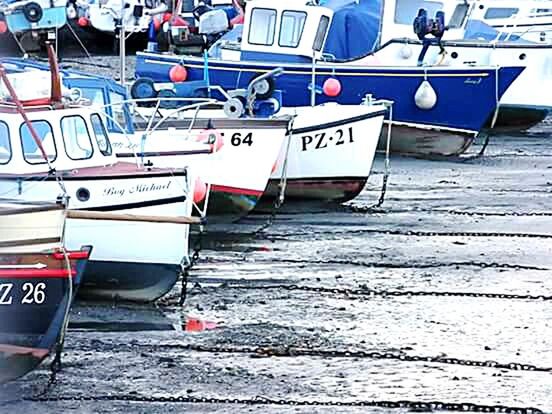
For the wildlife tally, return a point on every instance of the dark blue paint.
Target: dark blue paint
(463, 102)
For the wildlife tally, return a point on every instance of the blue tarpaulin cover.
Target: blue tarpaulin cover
(355, 27)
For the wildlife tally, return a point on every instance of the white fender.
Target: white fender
(405, 52)
(425, 96)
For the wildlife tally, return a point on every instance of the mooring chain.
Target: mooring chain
(450, 233)
(370, 209)
(292, 351)
(365, 291)
(389, 265)
(258, 400)
(194, 258)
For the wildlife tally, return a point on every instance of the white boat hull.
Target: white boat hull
(238, 172)
(137, 261)
(330, 154)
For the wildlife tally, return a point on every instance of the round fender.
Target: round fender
(33, 12)
(265, 88)
(143, 88)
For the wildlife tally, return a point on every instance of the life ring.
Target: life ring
(263, 89)
(33, 12)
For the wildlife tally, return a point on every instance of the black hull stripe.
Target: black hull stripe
(161, 154)
(341, 122)
(30, 242)
(141, 204)
(94, 177)
(220, 123)
(318, 179)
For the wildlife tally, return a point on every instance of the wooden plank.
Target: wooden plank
(104, 215)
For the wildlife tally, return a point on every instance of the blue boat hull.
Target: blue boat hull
(466, 97)
(34, 303)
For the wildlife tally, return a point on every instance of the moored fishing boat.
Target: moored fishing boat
(137, 218)
(38, 281)
(237, 173)
(422, 96)
(465, 40)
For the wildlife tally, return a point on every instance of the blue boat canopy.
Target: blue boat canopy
(355, 28)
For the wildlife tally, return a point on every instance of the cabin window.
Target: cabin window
(94, 95)
(118, 111)
(31, 150)
(100, 134)
(407, 10)
(262, 28)
(291, 28)
(458, 16)
(5, 146)
(321, 33)
(76, 139)
(500, 12)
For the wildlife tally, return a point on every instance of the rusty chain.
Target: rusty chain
(390, 265)
(258, 400)
(365, 291)
(370, 209)
(294, 351)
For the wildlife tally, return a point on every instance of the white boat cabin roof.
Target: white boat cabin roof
(72, 138)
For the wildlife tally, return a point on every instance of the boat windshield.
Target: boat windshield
(76, 138)
(5, 147)
(31, 151)
(459, 16)
(407, 10)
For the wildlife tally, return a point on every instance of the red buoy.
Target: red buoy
(200, 190)
(178, 73)
(332, 87)
(83, 21)
(3, 27)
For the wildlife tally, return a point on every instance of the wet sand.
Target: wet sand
(130, 352)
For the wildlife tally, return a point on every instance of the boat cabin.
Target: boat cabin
(105, 93)
(298, 31)
(72, 138)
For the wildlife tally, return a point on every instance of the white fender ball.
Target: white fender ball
(406, 52)
(425, 96)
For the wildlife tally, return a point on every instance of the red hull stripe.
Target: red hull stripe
(234, 190)
(71, 255)
(36, 273)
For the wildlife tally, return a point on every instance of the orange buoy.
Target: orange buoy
(3, 27)
(178, 73)
(332, 87)
(200, 190)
